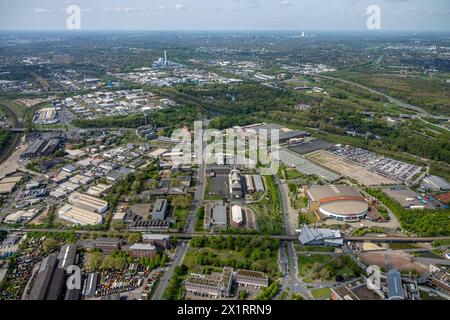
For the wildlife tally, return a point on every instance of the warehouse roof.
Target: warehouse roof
(142, 246)
(219, 214)
(78, 215)
(308, 235)
(236, 214)
(395, 288)
(435, 181)
(87, 200)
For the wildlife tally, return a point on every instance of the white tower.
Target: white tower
(165, 57)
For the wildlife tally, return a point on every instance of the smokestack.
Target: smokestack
(165, 57)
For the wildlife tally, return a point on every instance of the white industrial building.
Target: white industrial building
(79, 216)
(237, 219)
(88, 202)
(98, 190)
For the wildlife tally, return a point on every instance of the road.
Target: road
(181, 250)
(288, 268)
(289, 215)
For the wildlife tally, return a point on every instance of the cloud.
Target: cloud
(285, 3)
(42, 10)
(179, 7)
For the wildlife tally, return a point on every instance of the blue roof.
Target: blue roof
(395, 287)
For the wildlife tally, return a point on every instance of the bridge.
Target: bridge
(188, 236)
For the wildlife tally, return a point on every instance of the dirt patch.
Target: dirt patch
(348, 169)
(399, 260)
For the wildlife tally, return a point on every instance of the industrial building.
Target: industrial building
(215, 284)
(79, 216)
(161, 241)
(107, 245)
(140, 250)
(249, 184)
(50, 279)
(235, 184)
(45, 145)
(284, 134)
(21, 215)
(159, 209)
(8, 184)
(340, 202)
(251, 278)
(67, 256)
(46, 116)
(147, 132)
(439, 279)
(355, 290)
(320, 237)
(88, 202)
(219, 216)
(435, 184)
(50, 147)
(90, 286)
(237, 219)
(395, 286)
(258, 183)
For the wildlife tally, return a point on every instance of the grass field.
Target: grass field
(324, 293)
(222, 255)
(318, 267)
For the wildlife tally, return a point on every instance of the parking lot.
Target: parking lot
(219, 186)
(349, 169)
(387, 167)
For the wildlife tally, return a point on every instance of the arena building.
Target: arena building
(340, 202)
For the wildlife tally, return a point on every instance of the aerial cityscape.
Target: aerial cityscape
(224, 163)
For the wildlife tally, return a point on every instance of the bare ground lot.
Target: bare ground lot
(12, 163)
(399, 260)
(348, 169)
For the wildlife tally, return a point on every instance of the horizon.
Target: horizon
(236, 15)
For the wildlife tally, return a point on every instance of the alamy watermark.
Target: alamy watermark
(74, 280)
(74, 20)
(374, 277)
(374, 17)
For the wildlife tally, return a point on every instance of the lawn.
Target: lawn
(319, 267)
(292, 174)
(324, 293)
(300, 248)
(181, 216)
(266, 210)
(223, 256)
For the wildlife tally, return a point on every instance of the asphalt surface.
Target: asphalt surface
(180, 252)
(182, 248)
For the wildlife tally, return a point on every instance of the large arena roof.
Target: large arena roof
(339, 200)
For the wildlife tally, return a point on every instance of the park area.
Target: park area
(322, 267)
(208, 254)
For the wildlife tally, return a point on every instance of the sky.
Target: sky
(309, 15)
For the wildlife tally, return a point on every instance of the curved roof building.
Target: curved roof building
(339, 202)
(236, 216)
